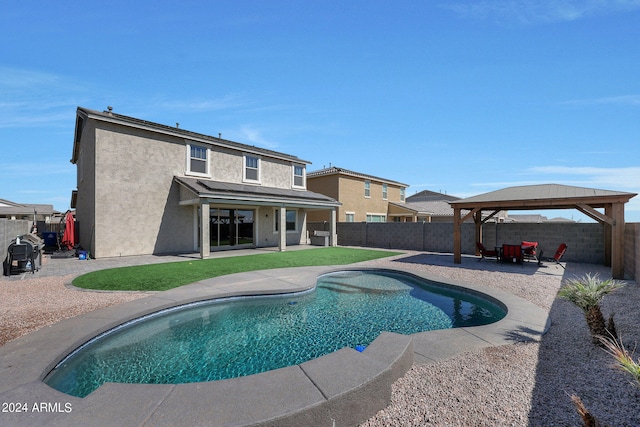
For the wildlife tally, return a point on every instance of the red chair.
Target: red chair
(486, 253)
(529, 250)
(558, 255)
(511, 253)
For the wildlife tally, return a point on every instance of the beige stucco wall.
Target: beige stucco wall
(349, 191)
(127, 186)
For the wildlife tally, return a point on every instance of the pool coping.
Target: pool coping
(346, 387)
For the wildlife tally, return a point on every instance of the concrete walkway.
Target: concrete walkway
(345, 387)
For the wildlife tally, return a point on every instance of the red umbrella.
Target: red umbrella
(69, 236)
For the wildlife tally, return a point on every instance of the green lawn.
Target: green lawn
(160, 277)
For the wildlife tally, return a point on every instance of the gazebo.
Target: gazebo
(550, 196)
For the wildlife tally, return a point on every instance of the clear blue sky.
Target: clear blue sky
(462, 97)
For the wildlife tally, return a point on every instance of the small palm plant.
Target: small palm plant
(587, 293)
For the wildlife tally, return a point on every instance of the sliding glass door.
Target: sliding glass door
(231, 227)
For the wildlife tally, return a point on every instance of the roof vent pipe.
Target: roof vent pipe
(110, 108)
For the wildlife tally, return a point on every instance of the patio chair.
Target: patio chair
(511, 253)
(529, 250)
(556, 258)
(486, 253)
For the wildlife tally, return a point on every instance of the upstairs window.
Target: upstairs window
(298, 176)
(402, 190)
(251, 168)
(198, 162)
(367, 189)
(385, 191)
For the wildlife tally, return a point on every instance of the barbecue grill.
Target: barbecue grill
(23, 255)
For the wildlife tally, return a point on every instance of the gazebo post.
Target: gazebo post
(617, 240)
(457, 245)
(477, 219)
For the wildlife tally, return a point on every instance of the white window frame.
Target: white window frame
(303, 176)
(381, 216)
(245, 167)
(350, 216)
(385, 191)
(367, 189)
(276, 219)
(206, 160)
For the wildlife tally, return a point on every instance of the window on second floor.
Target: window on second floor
(385, 191)
(251, 168)
(402, 194)
(367, 189)
(198, 160)
(298, 176)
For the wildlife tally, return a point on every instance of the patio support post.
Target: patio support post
(205, 244)
(282, 229)
(477, 219)
(332, 229)
(457, 244)
(617, 240)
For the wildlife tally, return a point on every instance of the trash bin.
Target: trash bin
(50, 238)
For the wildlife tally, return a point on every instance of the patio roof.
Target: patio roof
(552, 196)
(224, 192)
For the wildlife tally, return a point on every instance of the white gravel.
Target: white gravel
(524, 384)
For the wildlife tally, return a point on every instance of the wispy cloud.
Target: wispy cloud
(35, 169)
(621, 179)
(202, 105)
(254, 136)
(533, 12)
(611, 100)
(625, 178)
(33, 98)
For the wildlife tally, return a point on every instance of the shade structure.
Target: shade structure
(69, 237)
(551, 196)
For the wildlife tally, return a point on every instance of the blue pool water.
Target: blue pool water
(229, 338)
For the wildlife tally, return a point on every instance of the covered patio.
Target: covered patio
(550, 196)
(263, 213)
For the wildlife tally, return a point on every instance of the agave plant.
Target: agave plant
(587, 293)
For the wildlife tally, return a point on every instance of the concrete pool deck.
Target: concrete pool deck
(345, 386)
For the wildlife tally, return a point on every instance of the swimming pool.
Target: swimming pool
(234, 337)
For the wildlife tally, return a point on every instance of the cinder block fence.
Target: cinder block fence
(585, 240)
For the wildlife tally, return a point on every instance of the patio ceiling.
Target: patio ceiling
(552, 196)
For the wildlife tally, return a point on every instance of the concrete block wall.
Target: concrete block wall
(632, 251)
(585, 241)
(9, 229)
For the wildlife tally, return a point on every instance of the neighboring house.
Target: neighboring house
(535, 218)
(364, 198)
(430, 206)
(147, 188)
(30, 212)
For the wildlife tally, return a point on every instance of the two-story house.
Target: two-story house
(363, 198)
(147, 188)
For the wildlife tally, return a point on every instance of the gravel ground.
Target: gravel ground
(523, 384)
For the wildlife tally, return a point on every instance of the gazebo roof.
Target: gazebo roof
(552, 196)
